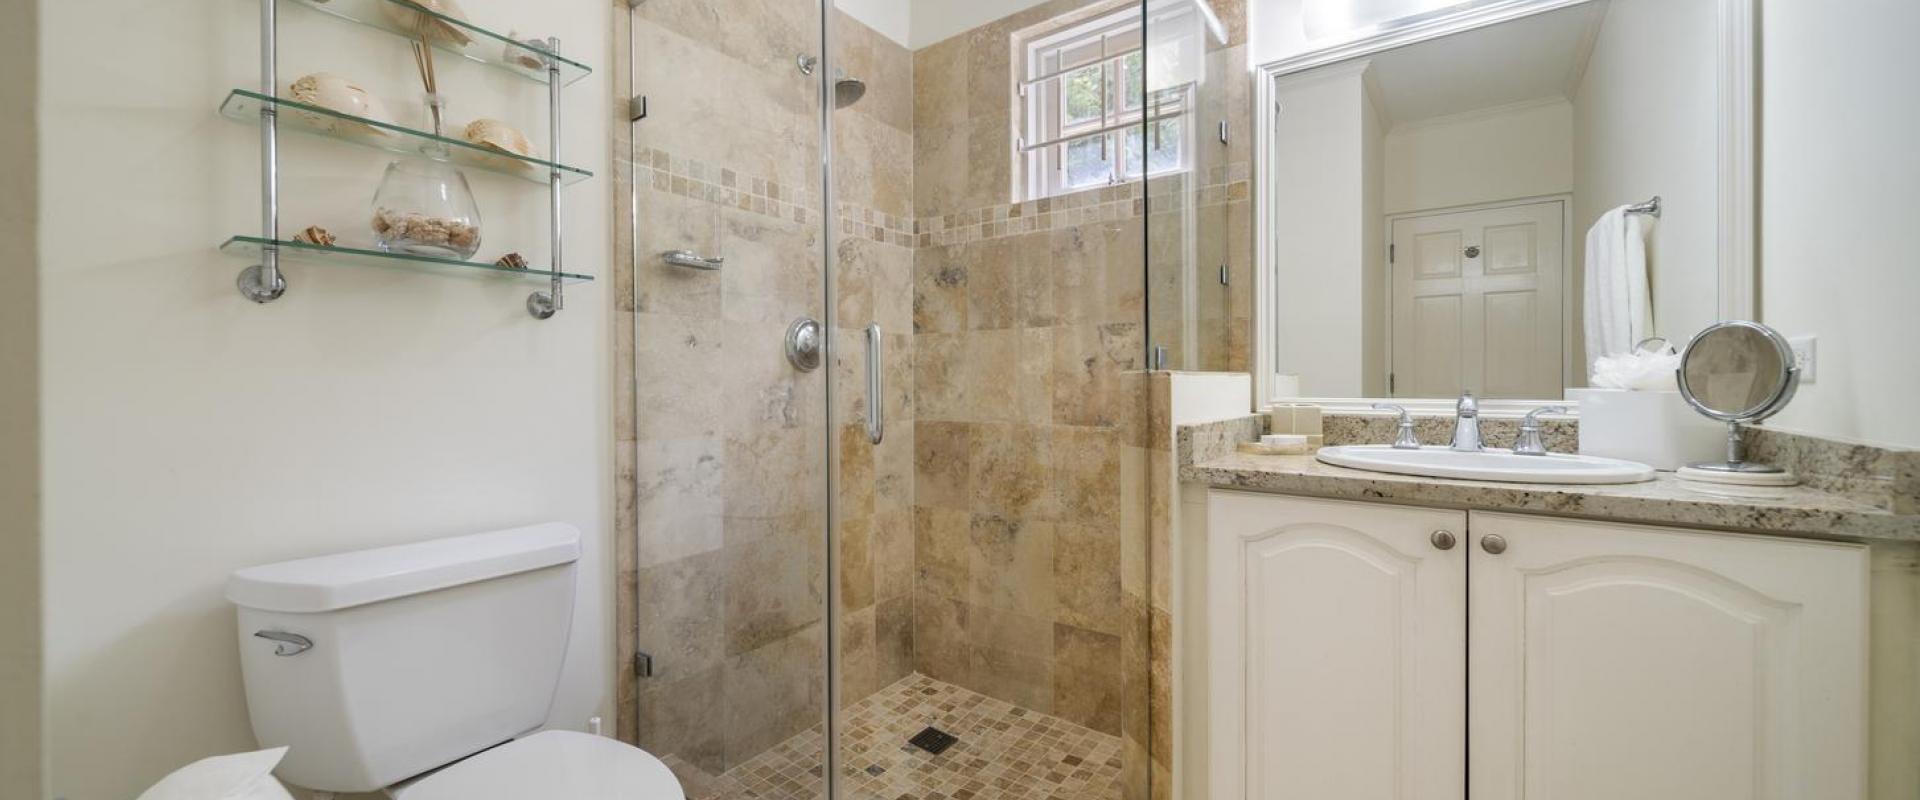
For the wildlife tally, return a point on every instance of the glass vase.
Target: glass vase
(424, 206)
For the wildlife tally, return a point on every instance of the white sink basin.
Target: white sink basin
(1487, 465)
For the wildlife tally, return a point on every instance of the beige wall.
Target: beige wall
(1481, 156)
(189, 433)
(1838, 168)
(1321, 274)
(1650, 71)
(21, 751)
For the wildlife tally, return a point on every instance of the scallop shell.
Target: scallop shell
(332, 92)
(433, 29)
(499, 136)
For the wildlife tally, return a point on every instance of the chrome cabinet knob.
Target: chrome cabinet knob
(1493, 543)
(1442, 540)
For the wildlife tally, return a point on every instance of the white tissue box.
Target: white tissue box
(1655, 428)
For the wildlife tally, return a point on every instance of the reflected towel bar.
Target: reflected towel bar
(1649, 207)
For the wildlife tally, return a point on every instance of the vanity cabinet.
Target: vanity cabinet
(1359, 653)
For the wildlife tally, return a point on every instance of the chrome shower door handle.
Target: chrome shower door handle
(876, 390)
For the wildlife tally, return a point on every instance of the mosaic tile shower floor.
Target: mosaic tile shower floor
(1005, 752)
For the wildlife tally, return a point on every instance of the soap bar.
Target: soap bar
(1278, 444)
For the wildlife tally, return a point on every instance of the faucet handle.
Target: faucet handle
(1529, 442)
(1404, 438)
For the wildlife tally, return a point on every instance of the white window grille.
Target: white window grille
(1106, 100)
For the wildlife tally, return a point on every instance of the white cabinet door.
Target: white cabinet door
(1610, 661)
(1338, 636)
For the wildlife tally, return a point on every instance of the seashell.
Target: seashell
(316, 235)
(493, 133)
(425, 25)
(334, 93)
(514, 54)
(512, 261)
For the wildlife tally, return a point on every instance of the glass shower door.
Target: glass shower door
(730, 492)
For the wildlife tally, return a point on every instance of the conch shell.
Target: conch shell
(497, 135)
(334, 93)
(425, 25)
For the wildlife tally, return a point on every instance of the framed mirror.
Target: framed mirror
(1486, 196)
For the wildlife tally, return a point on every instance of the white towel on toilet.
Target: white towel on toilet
(243, 776)
(1619, 310)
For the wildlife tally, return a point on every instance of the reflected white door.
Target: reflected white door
(1477, 302)
(1337, 648)
(1611, 661)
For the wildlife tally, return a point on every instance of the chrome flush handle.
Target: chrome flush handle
(286, 644)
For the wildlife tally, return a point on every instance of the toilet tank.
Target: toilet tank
(378, 665)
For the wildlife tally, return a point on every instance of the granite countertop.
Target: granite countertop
(1665, 500)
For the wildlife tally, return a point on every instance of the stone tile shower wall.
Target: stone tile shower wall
(997, 538)
(1030, 461)
(724, 482)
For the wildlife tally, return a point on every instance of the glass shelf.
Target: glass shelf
(250, 247)
(244, 106)
(406, 19)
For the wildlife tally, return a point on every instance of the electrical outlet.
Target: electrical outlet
(1805, 350)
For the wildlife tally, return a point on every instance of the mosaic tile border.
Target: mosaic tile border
(724, 186)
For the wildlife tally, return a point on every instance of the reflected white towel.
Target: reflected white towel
(1618, 310)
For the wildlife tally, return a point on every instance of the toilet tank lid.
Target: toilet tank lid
(330, 583)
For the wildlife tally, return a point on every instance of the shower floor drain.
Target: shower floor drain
(933, 740)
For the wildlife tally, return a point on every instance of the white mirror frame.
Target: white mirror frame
(1738, 171)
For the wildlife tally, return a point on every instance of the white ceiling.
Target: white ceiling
(918, 23)
(1528, 59)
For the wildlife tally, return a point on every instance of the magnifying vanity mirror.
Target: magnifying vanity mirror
(1738, 373)
(1490, 197)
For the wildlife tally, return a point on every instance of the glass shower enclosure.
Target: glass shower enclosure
(884, 493)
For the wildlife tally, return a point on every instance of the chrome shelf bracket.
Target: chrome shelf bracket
(543, 305)
(262, 282)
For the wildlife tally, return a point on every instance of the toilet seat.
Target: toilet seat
(552, 765)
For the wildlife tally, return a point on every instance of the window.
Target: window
(1092, 114)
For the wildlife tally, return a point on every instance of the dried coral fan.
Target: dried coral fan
(425, 25)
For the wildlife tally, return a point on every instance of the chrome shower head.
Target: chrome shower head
(847, 91)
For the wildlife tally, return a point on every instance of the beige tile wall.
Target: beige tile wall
(1030, 496)
(998, 538)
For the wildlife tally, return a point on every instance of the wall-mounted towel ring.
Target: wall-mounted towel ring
(1651, 207)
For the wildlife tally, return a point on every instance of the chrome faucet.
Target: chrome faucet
(1529, 442)
(1404, 438)
(1466, 425)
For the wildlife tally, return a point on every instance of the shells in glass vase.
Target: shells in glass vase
(424, 207)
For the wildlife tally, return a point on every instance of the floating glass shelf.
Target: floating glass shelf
(250, 247)
(244, 106)
(402, 18)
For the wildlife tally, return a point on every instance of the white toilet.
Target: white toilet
(419, 670)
